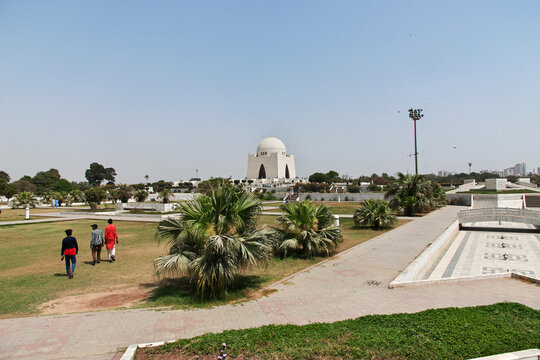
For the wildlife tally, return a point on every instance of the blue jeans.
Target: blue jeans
(73, 260)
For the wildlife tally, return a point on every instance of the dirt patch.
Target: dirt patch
(96, 301)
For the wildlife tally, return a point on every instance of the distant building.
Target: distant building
(520, 169)
(509, 172)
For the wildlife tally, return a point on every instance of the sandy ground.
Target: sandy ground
(126, 297)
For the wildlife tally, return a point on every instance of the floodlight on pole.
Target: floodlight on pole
(470, 164)
(415, 115)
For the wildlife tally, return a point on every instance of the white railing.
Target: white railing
(500, 214)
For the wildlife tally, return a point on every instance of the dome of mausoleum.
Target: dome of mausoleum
(271, 145)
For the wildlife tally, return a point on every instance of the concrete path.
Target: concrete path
(351, 285)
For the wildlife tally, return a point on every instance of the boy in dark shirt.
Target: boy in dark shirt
(70, 248)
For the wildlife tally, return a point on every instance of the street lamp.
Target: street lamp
(470, 164)
(415, 115)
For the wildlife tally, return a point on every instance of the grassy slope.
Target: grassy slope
(433, 334)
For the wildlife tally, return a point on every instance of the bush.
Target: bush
(94, 196)
(353, 188)
(375, 214)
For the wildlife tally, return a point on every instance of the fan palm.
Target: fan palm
(24, 199)
(214, 239)
(374, 213)
(307, 229)
(413, 193)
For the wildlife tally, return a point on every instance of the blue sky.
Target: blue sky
(167, 87)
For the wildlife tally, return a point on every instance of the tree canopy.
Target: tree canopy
(319, 177)
(97, 173)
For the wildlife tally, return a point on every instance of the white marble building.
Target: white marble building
(271, 161)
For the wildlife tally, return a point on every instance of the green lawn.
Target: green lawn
(31, 272)
(20, 214)
(449, 333)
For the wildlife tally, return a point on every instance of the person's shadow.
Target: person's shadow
(60, 274)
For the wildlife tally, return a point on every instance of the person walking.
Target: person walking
(70, 249)
(96, 243)
(110, 238)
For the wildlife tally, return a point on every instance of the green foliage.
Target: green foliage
(54, 195)
(207, 186)
(7, 190)
(165, 195)
(307, 230)
(214, 239)
(269, 196)
(375, 214)
(124, 193)
(24, 199)
(324, 178)
(94, 196)
(312, 187)
(97, 173)
(451, 333)
(5, 176)
(374, 187)
(412, 194)
(77, 196)
(24, 185)
(141, 195)
(353, 188)
(49, 181)
(161, 185)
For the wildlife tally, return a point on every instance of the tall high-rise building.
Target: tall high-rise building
(520, 169)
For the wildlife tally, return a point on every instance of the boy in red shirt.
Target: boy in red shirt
(110, 238)
(70, 248)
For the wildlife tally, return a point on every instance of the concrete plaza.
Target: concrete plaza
(353, 284)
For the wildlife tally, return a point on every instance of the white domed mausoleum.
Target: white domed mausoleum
(271, 161)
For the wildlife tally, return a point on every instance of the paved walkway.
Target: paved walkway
(351, 285)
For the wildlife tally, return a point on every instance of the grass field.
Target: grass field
(433, 334)
(20, 214)
(31, 272)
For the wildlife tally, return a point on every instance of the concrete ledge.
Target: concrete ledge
(464, 278)
(428, 258)
(530, 354)
(131, 351)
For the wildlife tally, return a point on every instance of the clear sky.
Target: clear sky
(166, 87)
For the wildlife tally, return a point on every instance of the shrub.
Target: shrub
(374, 213)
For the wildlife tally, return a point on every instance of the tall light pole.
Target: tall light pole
(470, 164)
(415, 115)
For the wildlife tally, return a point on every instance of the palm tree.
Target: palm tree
(24, 199)
(307, 229)
(77, 196)
(141, 195)
(214, 239)
(375, 214)
(413, 193)
(165, 195)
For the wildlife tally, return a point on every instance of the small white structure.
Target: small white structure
(496, 184)
(271, 161)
